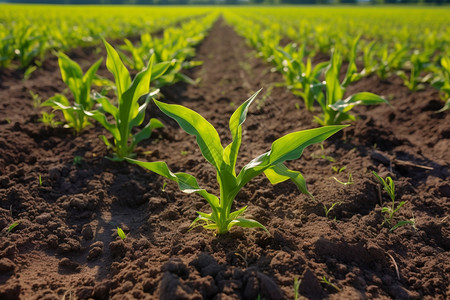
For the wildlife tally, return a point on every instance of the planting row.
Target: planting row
(27, 32)
(419, 57)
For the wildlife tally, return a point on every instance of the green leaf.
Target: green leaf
(69, 68)
(288, 147)
(247, 223)
(237, 119)
(280, 173)
(207, 137)
(364, 98)
(146, 132)
(159, 69)
(187, 183)
(401, 223)
(116, 67)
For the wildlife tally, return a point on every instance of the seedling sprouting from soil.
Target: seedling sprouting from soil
(12, 226)
(80, 87)
(324, 280)
(129, 113)
(390, 211)
(49, 119)
(323, 155)
(328, 209)
(271, 163)
(77, 160)
(349, 180)
(121, 234)
(296, 288)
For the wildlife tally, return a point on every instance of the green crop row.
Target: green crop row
(29, 32)
(383, 41)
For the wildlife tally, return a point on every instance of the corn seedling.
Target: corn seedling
(418, 64)
(121, 234)
(442, 83)
(129, 113)
(302, 78)
(391, 60)
(80, 87)
(271, 163)
(40, 180)
(335, 109)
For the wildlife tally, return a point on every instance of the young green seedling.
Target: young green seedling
(12, 226)
(129, 113)
(328, 209)
(80, 87)
(442, 83)
(121, 234)
(335, 109)
(389, 187)
(271, 163)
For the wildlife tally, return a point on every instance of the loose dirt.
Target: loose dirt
(66, 243)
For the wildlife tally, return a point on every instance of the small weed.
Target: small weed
(349, 180)
(390, 211)
(163, 189)
(77, 160)
(49, 119)
(323, 155)
(184, 152)
(40, 180)
(338, 169)
(324, 280)
(12, 226)
(37, 100)
(327, 210)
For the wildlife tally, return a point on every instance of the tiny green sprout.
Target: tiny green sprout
(349, 180)
(77, 160)
(40, 180)
(323, 156)
(297, 106)
(327, 210)
(184, 152)
(49, 119)
(8, 121)
(163, 189)
(389, 187)
(121, 234)
(297, 283)
(37, 100)
(327, 282)
(338, 169)
(12, 226)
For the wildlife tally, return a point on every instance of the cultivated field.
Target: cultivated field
(140, 159)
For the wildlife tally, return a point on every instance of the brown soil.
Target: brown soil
(66, 242)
